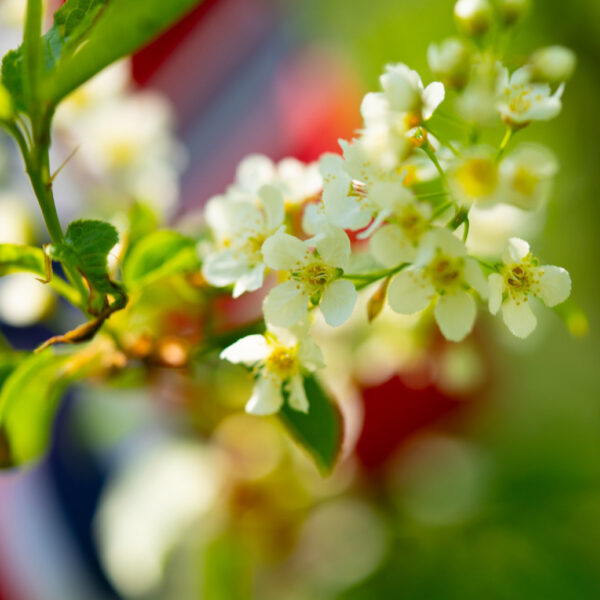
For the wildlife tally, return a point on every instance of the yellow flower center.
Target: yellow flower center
(315, 276)
(283, 361)
(522, 279)
(412, 223)
(446, 272)
(519, 101)
(477, 177)
(525, 182)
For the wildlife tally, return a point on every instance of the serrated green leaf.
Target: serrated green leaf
(86, 247)
(320, 431)
(160, 254)
(123, 27)
(28, 401)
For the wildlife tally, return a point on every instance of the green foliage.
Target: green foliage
(86, 247)
(28, 401)
(320, 431)
(12, 77)
(15, 257)
(159, 255)
(227, 570)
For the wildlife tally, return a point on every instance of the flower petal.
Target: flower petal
(310, 355)
(333, 246)
(338, 301)
(272, 201)
(390, 246)
(266, 397)
(284, 252)
(475, 278)
(455, 314)
(555, 285)
(247, 350)
(433, 96)
(516, 251)
(297, 398)
(254, 171)
(223, 268)
(410, 291)
(250, 281)
(519, 317)
(496, 288)
(285, 304)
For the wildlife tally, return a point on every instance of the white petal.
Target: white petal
(516, 251)
(248, 350)
(496, 288)
(390, 195)
(223, 268)
(555, 285)
(545, 110)
(475, 278)
(333, 246)
(338, 302)
(341, 209)
(520, 76)
(272, 202)
(442, 239)
(285, 304)
(266, 397)
(519, 318)
(455, 314)
(250, 281)
(284, 252)
(310, 355)
(313, 218)
(254, 171)
(402, 87)
(433, 96)
(391, 247)
(297, 398)
(374, 107)
(410, 291)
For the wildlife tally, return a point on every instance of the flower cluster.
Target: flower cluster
(408, 189)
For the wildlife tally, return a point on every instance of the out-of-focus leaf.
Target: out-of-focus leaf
(121, 28)
(227, 570)
(15, 257)
(159, 255)
(28, 401)
(320, 431)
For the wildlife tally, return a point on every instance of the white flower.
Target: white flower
(442, 272)
(474, 176)
(526, 174)
(520, 102)
(279, 359)
(296, 180)
(474, 17)
(240, 227)
(520, 278)
(552, 64)
(450, 60)
(405, 93)
(314, 277)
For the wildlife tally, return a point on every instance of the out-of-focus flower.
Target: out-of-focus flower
(279, 359)
(521, 278)
(473, 17)
(552, 64)
(24, 300)
(314, 268)
(511, 11)
(520, 101)
(450, 61)
(241, 227)
(526, 176)
(474, 176)
(442, 272)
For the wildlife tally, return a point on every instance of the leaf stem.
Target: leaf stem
(365, 279)
(431, 154)
(504, 142)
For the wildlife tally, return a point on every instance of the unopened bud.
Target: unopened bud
(473, 17)
(512, 11)
(552, 64)
(450, 61)
(377, 300)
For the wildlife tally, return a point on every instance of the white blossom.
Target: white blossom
(314, 268)
(279, 359)
(240, 227)
(520, 101)
(521, 278)
(445, 274)
(474, 176)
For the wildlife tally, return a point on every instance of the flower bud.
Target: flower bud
(552, 64)
(511, 11)
(450, 61)
(473, 17)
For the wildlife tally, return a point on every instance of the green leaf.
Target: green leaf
(15, 258)
(227, 569)
(123, 27)
(86, 247)
(320, 431)
(28, 401)
(158, 255)
(12, 78)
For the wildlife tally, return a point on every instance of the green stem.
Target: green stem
(431, 195)
(441, 209)
(431, 154)
(362, 280)
(444, 141)
(504, 142)
(462, 216)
